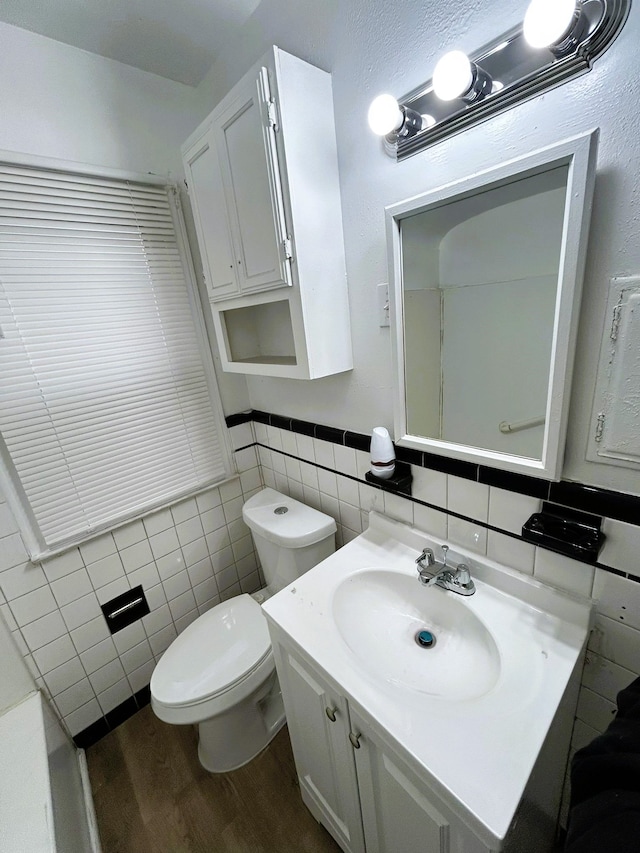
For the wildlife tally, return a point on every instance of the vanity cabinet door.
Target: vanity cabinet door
(245, 140)
(396, 811)
(318, 721)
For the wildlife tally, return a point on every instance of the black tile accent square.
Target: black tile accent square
(457, 467)
(123, 711)
(598, 501)
(92, 734)
(260, 417)
(358, 441)
(303, 427)
(327, 433)
(143, 697)
(410, 455)
(279, 421)
(511, 482)
(239, 418)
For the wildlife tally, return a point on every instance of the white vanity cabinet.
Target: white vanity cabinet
(319, 728)
(262, 174)
(422, 756)
(351, 778)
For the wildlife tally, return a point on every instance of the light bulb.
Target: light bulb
(452, 76)
(385, 115)
(546, 22)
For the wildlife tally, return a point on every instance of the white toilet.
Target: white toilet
(220, 671)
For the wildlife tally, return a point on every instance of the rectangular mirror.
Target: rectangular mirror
(486, 277)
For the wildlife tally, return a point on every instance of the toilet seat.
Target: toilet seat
(215, 662)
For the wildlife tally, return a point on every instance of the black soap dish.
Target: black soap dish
(567, 531)
(400, 482)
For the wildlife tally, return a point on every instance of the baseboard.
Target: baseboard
(92, 822)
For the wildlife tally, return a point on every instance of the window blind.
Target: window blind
(105, 403)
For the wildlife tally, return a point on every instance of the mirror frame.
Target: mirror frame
(579, 154)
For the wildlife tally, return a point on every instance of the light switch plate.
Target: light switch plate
(383, 305)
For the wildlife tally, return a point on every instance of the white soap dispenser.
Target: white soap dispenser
(383, 456)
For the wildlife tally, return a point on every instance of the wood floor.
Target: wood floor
(152, 796)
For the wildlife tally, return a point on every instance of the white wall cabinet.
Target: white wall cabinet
(351, 778)
(262, 173)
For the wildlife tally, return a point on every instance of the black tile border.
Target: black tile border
(122, 712)
(303, 427)
(447, 465)
(597, 501)
(521, 483)
(92, 734)
(579, 496)
(112, 719)
(362, 442)
(239, 418)
(327, 433)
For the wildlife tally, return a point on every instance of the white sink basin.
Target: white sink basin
(378, 614)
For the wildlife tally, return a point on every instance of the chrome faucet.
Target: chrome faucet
(454, 578)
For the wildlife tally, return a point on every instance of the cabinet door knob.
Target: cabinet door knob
(331, 713)
(355, 740)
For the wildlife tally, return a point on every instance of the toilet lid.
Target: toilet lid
(213, 653)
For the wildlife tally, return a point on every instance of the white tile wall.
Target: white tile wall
(614, 652)
(198, 552)
(186, 557)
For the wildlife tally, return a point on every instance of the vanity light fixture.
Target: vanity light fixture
(456, 77)
(559, 25)
(558, 40)
(387, 116)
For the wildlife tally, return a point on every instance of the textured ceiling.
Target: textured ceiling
(177, 39)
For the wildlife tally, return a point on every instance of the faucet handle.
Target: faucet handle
(462, 580)
(426, 559)
(463, 575)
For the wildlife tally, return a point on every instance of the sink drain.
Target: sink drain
(425, 639)
(280, 510)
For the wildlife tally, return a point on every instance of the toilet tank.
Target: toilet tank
(290, 537)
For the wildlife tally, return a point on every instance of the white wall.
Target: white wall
(16, 681)
(372, 46)
(58, 101)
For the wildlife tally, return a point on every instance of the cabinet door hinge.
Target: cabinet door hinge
(615, 322)
(272, 115)
(287, 249)
(600, 426)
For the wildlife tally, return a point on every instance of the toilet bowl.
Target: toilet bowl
(220, 672)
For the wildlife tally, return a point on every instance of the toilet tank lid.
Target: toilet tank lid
(285, 521)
